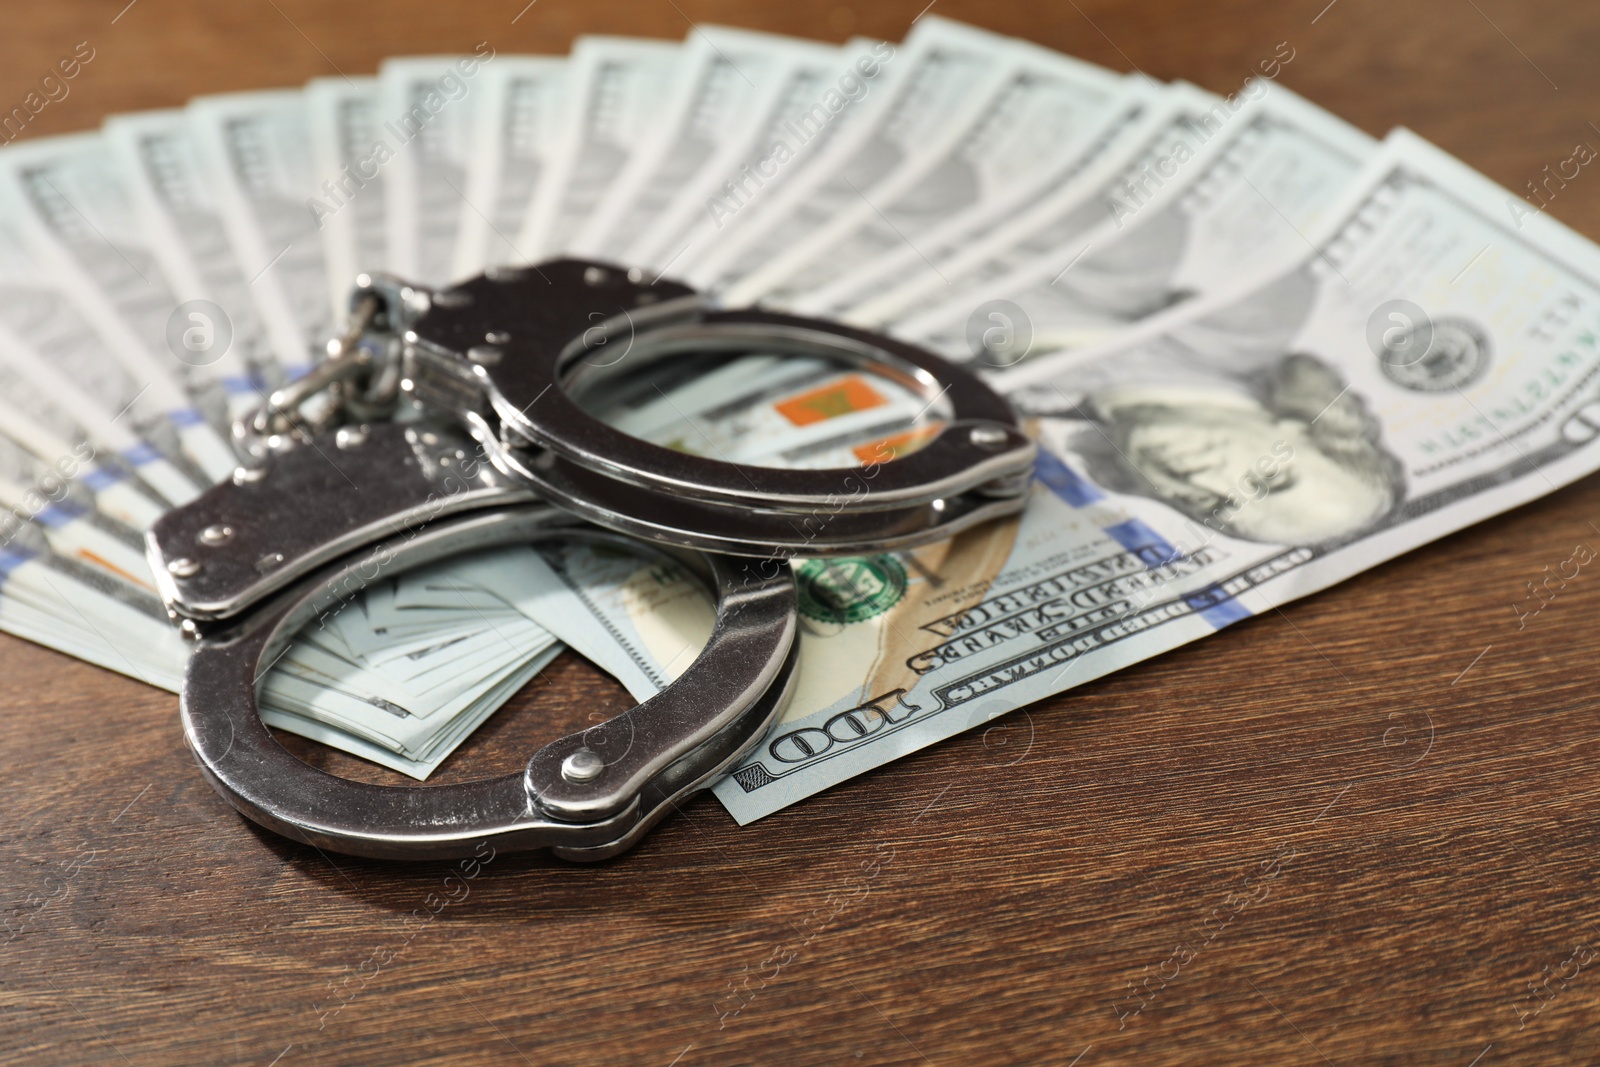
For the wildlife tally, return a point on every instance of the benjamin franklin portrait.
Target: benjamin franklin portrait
(1219, 422)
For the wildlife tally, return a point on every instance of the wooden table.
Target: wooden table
(1396, 767)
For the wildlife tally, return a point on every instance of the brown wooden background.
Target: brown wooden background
(1420, 837)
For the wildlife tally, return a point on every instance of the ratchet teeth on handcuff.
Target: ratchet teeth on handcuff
(492, 449)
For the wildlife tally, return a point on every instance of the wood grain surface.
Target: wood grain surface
(1404, 776)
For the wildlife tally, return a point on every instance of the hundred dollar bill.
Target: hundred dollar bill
(515, 123)
(53, 361)
(403, 672)
(725, 80)
(799, 77)
(1037, 111)
(1427, 363)
(255, 152)
(613, 87)
(77, 225)
(1177, 228)
(1042, 172)
(405, 709)
(946, 78)
(657, 617)
(342, 123)
(32, 490)
(408, 706)
(282, 708)
(425, 105)
(35, 423)
(558, 588)
(1181, 119)
(80, 610)
(156, 161)
(44, 412)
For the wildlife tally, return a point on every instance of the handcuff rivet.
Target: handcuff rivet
(183, 567)
(216, 534)
(497, 337)
(584, 765)
(988, 438)
(350, 436)
(452, 298)
(270, 561)
(484, 355)
(246, 475)
(594, 276)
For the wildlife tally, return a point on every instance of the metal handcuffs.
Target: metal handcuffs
(502, 453)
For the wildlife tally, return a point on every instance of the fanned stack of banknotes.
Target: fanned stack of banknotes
(1261, 352)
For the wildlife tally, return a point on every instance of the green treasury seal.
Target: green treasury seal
(849, 590)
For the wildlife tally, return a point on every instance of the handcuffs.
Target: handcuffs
(497, 450)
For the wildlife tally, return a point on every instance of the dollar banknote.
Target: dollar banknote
(1157, 122)
(1036, 109)
(411, 708)
(49, 349)
(74, 219)
(254, 149)
(1427, 363)
(784, 135)
(64, 449)
(71, 528)
(343, 128)
(65, 511)
(79, 611)
(928, 97)
(1173, 227)
(514, 126)
(404, 672)
(613, 85)
(1042, 170)
(425, 106)
(725, 80)
(157, 165)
